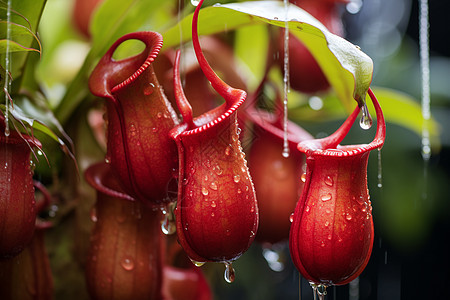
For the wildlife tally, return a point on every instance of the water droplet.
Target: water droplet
(205, 191)
(321, 291)
(107, 159)
(329, 181)
(155, 129)
(159, 115)
(236, 178)
(127, 263)
(303, 177)
(229, 274)
(291, 218)
(330, 236)
(348, 217)
(366, 120)
(327, 224)
(380, 175)
(326, 197)
(285, 152)
(148, 90)
(195, 2)
(93, 214)
(307, 208)
(213, 204)
(228, 150)
(213, 186)
(212, 214)
(218, 170)
(168, 226)
(197, 263)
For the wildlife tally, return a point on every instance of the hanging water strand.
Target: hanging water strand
(380, 174)
(7, 86)
(425, 72)
(286, 80)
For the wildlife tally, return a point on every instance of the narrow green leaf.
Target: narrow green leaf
(25, 14)
(14, 47)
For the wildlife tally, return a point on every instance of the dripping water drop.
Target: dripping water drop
(321, 291)
(195, 2)
(366, 120)
(197, 263)
(229, 274)
(168, 225)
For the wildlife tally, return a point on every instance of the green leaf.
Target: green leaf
(14, 47)
(24, 20)
(348, 69)
(258, 37)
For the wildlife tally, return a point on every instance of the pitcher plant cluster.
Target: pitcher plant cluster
(190, 180)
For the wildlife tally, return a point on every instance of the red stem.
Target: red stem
(380, 135)
(183, 104)
(218, 84)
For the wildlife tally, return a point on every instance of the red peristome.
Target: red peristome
(17, 203)
(125, 255)
(217, 213)
(139, 119)
(331, 235)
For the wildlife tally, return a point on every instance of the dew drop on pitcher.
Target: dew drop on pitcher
(127, 263)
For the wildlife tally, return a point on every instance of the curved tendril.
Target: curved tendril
(380, 135)
(183, 104)
(224, 90)
(333, 140)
